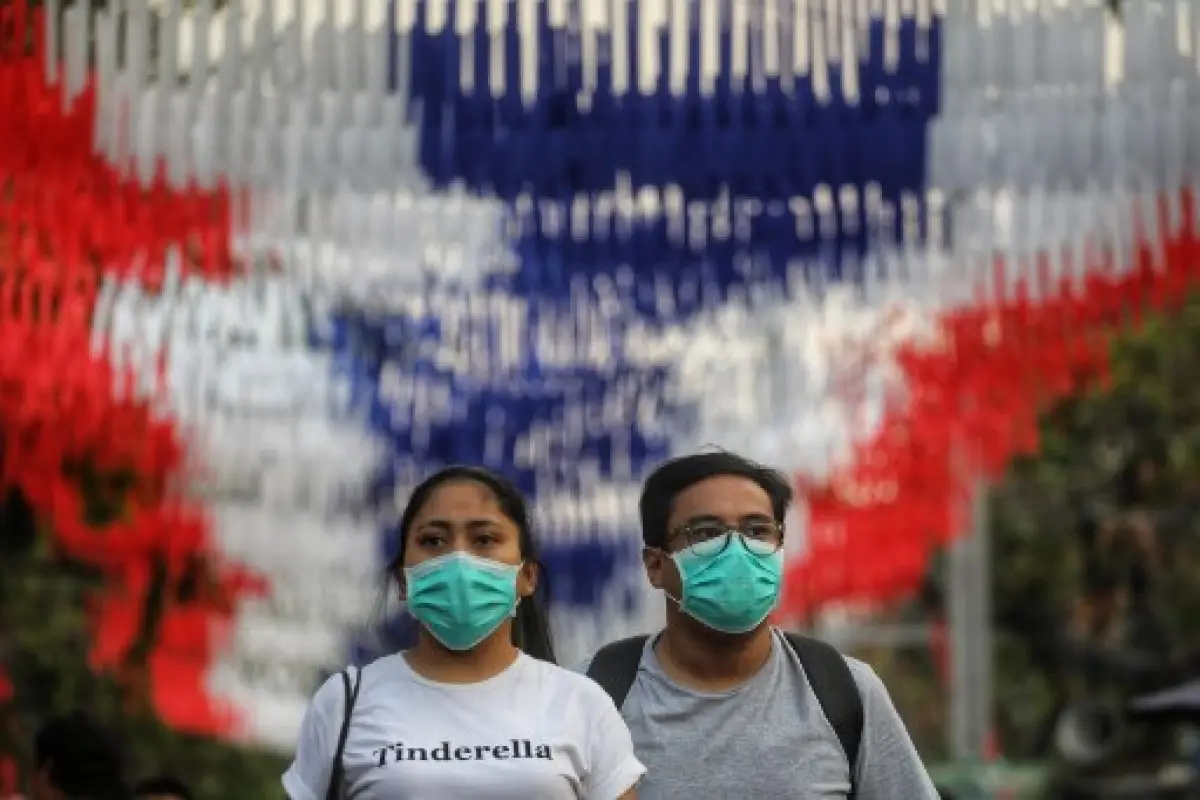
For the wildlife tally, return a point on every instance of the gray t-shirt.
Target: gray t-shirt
(765, 739)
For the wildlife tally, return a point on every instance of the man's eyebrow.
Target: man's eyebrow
(702, 518)
(710, 519)
(715, 518)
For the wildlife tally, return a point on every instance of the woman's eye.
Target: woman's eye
(489, 539)
(430, 540)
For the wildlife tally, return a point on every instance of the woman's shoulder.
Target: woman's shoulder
(567, 681)
(330, 697)
(558, 684)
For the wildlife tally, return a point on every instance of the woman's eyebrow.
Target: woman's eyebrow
(473, 524)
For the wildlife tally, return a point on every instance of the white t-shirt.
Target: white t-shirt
(533, 732)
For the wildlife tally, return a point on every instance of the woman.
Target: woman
(477, 708)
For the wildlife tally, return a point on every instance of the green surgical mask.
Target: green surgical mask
(461, 599)
(727, 585)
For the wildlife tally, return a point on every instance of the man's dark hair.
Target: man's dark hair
(163, 785)
(672, 477)
(81, 757)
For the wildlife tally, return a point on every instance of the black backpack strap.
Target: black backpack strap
(338, 771)
(834, 687)
(615, 666)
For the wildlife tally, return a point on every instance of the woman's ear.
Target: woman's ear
(527, 579)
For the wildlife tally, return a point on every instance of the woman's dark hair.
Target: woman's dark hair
(531, 628)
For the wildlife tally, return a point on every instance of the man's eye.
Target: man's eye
(761, 531)
(704, 532)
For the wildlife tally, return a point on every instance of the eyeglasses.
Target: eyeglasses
(762, 538)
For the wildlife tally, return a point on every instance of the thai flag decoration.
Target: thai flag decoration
(299, 255)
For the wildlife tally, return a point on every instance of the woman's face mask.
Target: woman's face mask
(461, 599)
(730, 584)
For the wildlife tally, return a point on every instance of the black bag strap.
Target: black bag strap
(834, 687)
(338, 771)
(615, 666)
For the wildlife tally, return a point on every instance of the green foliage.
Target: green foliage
(1043, 585)
(44, 646)
(1128, 457)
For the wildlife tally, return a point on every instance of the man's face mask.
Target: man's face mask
(731, 582)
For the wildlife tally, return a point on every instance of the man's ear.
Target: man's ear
(527, 579)
(655, 562)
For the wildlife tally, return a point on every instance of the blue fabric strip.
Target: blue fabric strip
(767, 146)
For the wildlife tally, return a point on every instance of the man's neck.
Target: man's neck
(711, 661)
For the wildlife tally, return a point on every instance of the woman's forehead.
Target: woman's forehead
(460, 499)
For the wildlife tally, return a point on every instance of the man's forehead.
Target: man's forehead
(721, 497)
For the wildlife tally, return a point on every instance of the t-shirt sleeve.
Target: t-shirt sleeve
(308, 776)
(888, 763)
(613, 769)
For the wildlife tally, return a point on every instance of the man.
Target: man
(163, 787)
(720, 703)
(75, 758)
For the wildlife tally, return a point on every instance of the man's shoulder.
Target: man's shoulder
(639, 641)
(864, 675)
(862, 672)
(872, 692)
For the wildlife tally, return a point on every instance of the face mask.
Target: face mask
(461, 599)
(729, 587)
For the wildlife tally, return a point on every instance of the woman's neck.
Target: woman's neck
(432, 660)
(711, 661)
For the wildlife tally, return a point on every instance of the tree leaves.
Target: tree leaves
(1113, 486)
(46, 636)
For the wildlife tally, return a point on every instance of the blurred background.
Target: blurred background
(266, 263)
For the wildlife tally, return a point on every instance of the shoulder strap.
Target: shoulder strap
(615, 666)
(338, 771)
(835, 689)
